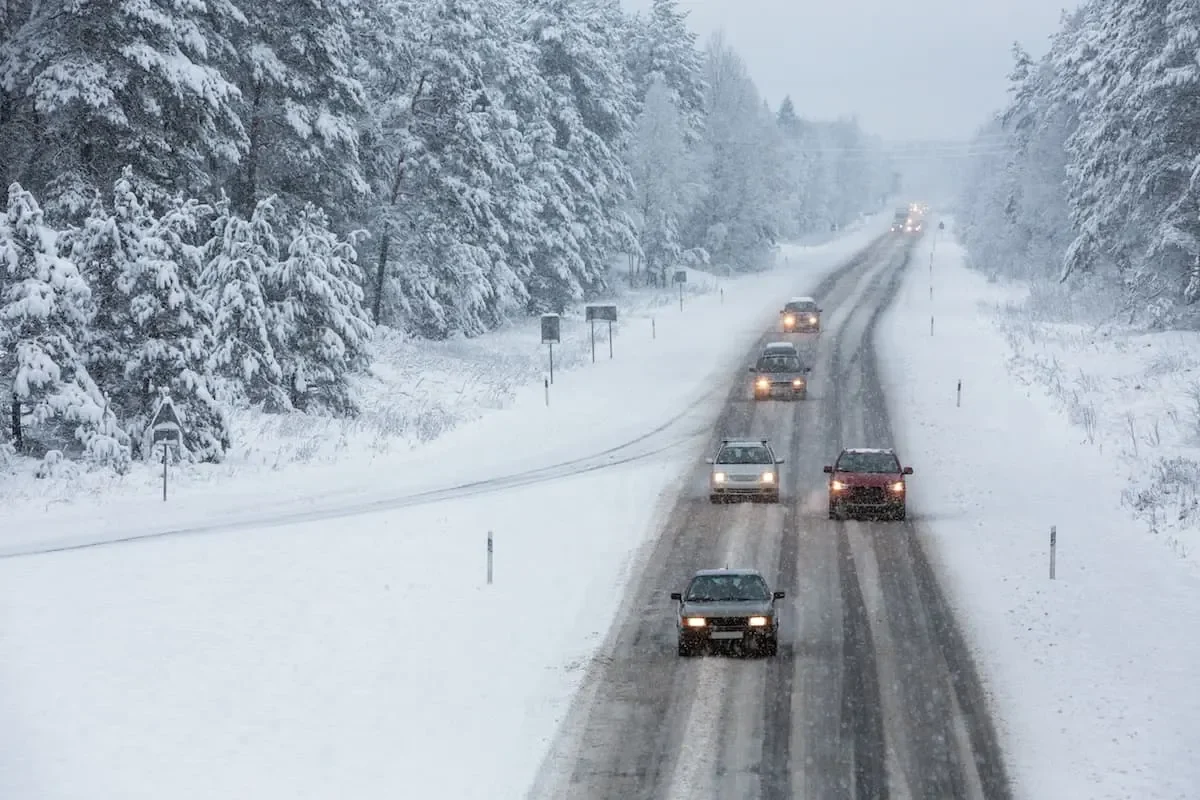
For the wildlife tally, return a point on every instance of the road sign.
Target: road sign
(550, 328)
(166, 428)
(681, 276)
(602, 313)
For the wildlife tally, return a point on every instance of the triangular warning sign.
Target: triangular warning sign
(166, 415)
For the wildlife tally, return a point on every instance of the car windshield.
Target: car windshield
(868, 462)
(727, 588)
(744, 454)
(779, 364)
(806, 305)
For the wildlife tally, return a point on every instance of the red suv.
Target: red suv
(867, 481)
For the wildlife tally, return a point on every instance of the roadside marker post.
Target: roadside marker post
(931, 324)
(653, 329)
(489, 559)
(546, 381)
(958, 401)
(1053, 548)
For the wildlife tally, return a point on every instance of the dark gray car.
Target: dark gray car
(780, 376)
(728, 607)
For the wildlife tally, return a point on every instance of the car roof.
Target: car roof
(779, 346)
(889, 450)
(727, 571)
(745, 442)
(805, 299)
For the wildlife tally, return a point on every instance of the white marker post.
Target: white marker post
(931, 324)
(1053, 547)
(546, 382)
(653, 329)
(958, 401)
(489, 563)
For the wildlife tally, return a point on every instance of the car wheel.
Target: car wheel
(901, 514)
(714, 498)
(686, 650)
(773, 497)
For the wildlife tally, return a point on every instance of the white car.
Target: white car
(744, 468)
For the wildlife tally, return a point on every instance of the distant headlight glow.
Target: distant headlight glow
(763, 383)
(898, 486)
(798, 382)
(837, 486)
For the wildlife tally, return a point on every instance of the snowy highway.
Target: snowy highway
(872, 694)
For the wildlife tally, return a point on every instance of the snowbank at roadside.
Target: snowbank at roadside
(1093, 672)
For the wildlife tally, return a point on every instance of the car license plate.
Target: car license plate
(727, 634)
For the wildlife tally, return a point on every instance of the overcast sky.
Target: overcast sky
(910, 69)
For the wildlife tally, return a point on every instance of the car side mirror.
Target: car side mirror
(753, 369)
(828, 469)
(819, 310)
(676, 595)
(908, 470)
(779, 595)
(807, 370)
(780, 460)
(710, 460)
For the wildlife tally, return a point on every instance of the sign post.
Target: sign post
(680, 280)
(604, 314)
(166, 431)
(550, 336)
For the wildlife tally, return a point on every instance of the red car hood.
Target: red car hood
(867, 478)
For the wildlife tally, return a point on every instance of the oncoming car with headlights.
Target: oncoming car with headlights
(744, 468)
(727, 607)
(780, 376)
(868, 481)
(800, 315)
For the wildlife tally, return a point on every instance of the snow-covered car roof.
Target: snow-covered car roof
(779, 346)
(727, 571)
(745, 442)
(889, 450)
(803, 300)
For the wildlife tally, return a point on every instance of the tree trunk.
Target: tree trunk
(385, 242)
(18, 440)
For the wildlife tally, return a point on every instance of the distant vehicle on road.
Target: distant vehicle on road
(868, 481)
(727, 607)
(899, 220)
(780, 376)
(744, 468)
(800, 315)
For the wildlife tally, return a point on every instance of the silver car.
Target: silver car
(744, 468)
(727, 607)
(780, 376)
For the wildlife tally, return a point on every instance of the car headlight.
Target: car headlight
(696, 622)
(768, 477)
(759, 622)
(813, 319)
(718, 477)
(798, 382)
(763, 383)
(837, 486)
(789, 320)
(898, 486)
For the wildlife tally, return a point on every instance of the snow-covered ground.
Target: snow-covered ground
(365, 656)
(1093, 673)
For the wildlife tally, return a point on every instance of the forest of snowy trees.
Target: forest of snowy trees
(1092, 174)
(221, 199)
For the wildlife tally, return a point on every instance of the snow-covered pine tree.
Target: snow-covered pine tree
(43, 319)
(579, 54)
(241, 255)
(174, 326)
(321, 303)
(300, 103)
(663, 48)
(92, 87)
(660, 166)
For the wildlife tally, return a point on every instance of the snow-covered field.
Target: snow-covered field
(1093, 673)
(365, 656)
